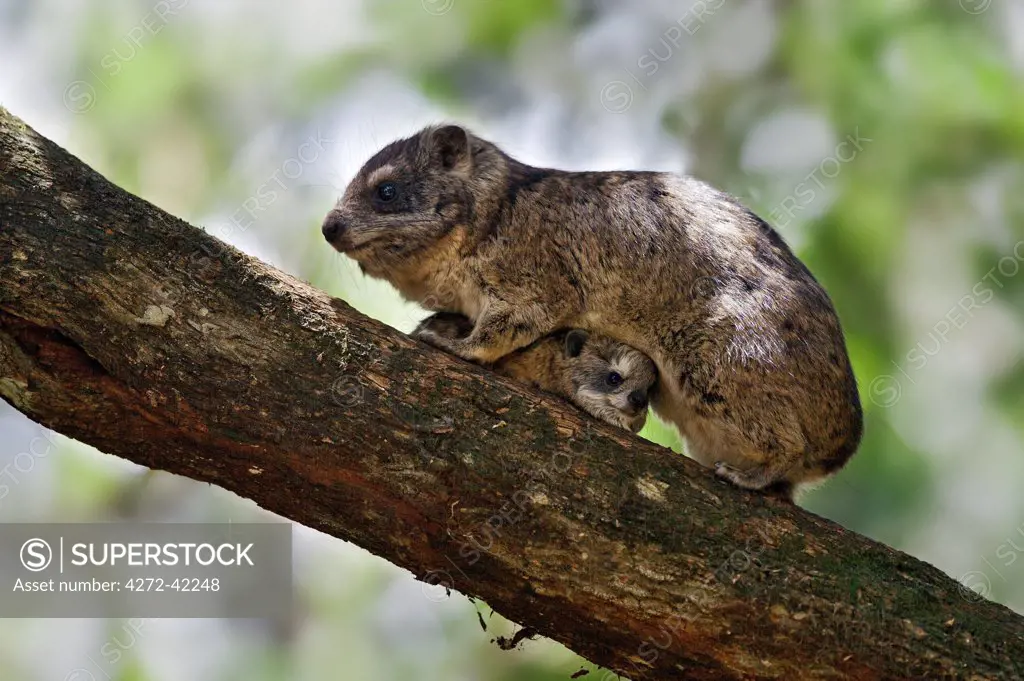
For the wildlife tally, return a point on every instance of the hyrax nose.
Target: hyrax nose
(334, 225)
(638, 399)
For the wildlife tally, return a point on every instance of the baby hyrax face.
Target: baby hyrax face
(610, 380)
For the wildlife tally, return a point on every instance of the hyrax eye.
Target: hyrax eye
(387, 192)
(614, 379)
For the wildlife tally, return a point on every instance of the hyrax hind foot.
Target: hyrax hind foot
(763, 478)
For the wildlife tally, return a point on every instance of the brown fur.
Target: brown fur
(753, 366)
(574, 365)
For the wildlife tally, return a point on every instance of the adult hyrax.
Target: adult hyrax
(753, 366)
(605, 378)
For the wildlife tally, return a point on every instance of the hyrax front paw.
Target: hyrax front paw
(438, 340)
(449, 325)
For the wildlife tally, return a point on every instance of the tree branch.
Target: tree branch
(130, 330)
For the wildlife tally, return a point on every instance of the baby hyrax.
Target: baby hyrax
(608, 380)
(752, 364)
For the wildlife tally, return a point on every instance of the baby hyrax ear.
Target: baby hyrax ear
(574, 342)
(449, 147)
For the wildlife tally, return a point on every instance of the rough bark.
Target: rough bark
(130, 330)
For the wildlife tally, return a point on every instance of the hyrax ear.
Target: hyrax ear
(449, 147)
(574, 342)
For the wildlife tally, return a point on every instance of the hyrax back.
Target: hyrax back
(607, 379)
(753, 366)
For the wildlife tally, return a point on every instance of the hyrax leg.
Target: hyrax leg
(500, 329)
(754, 442)
(771, 466)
